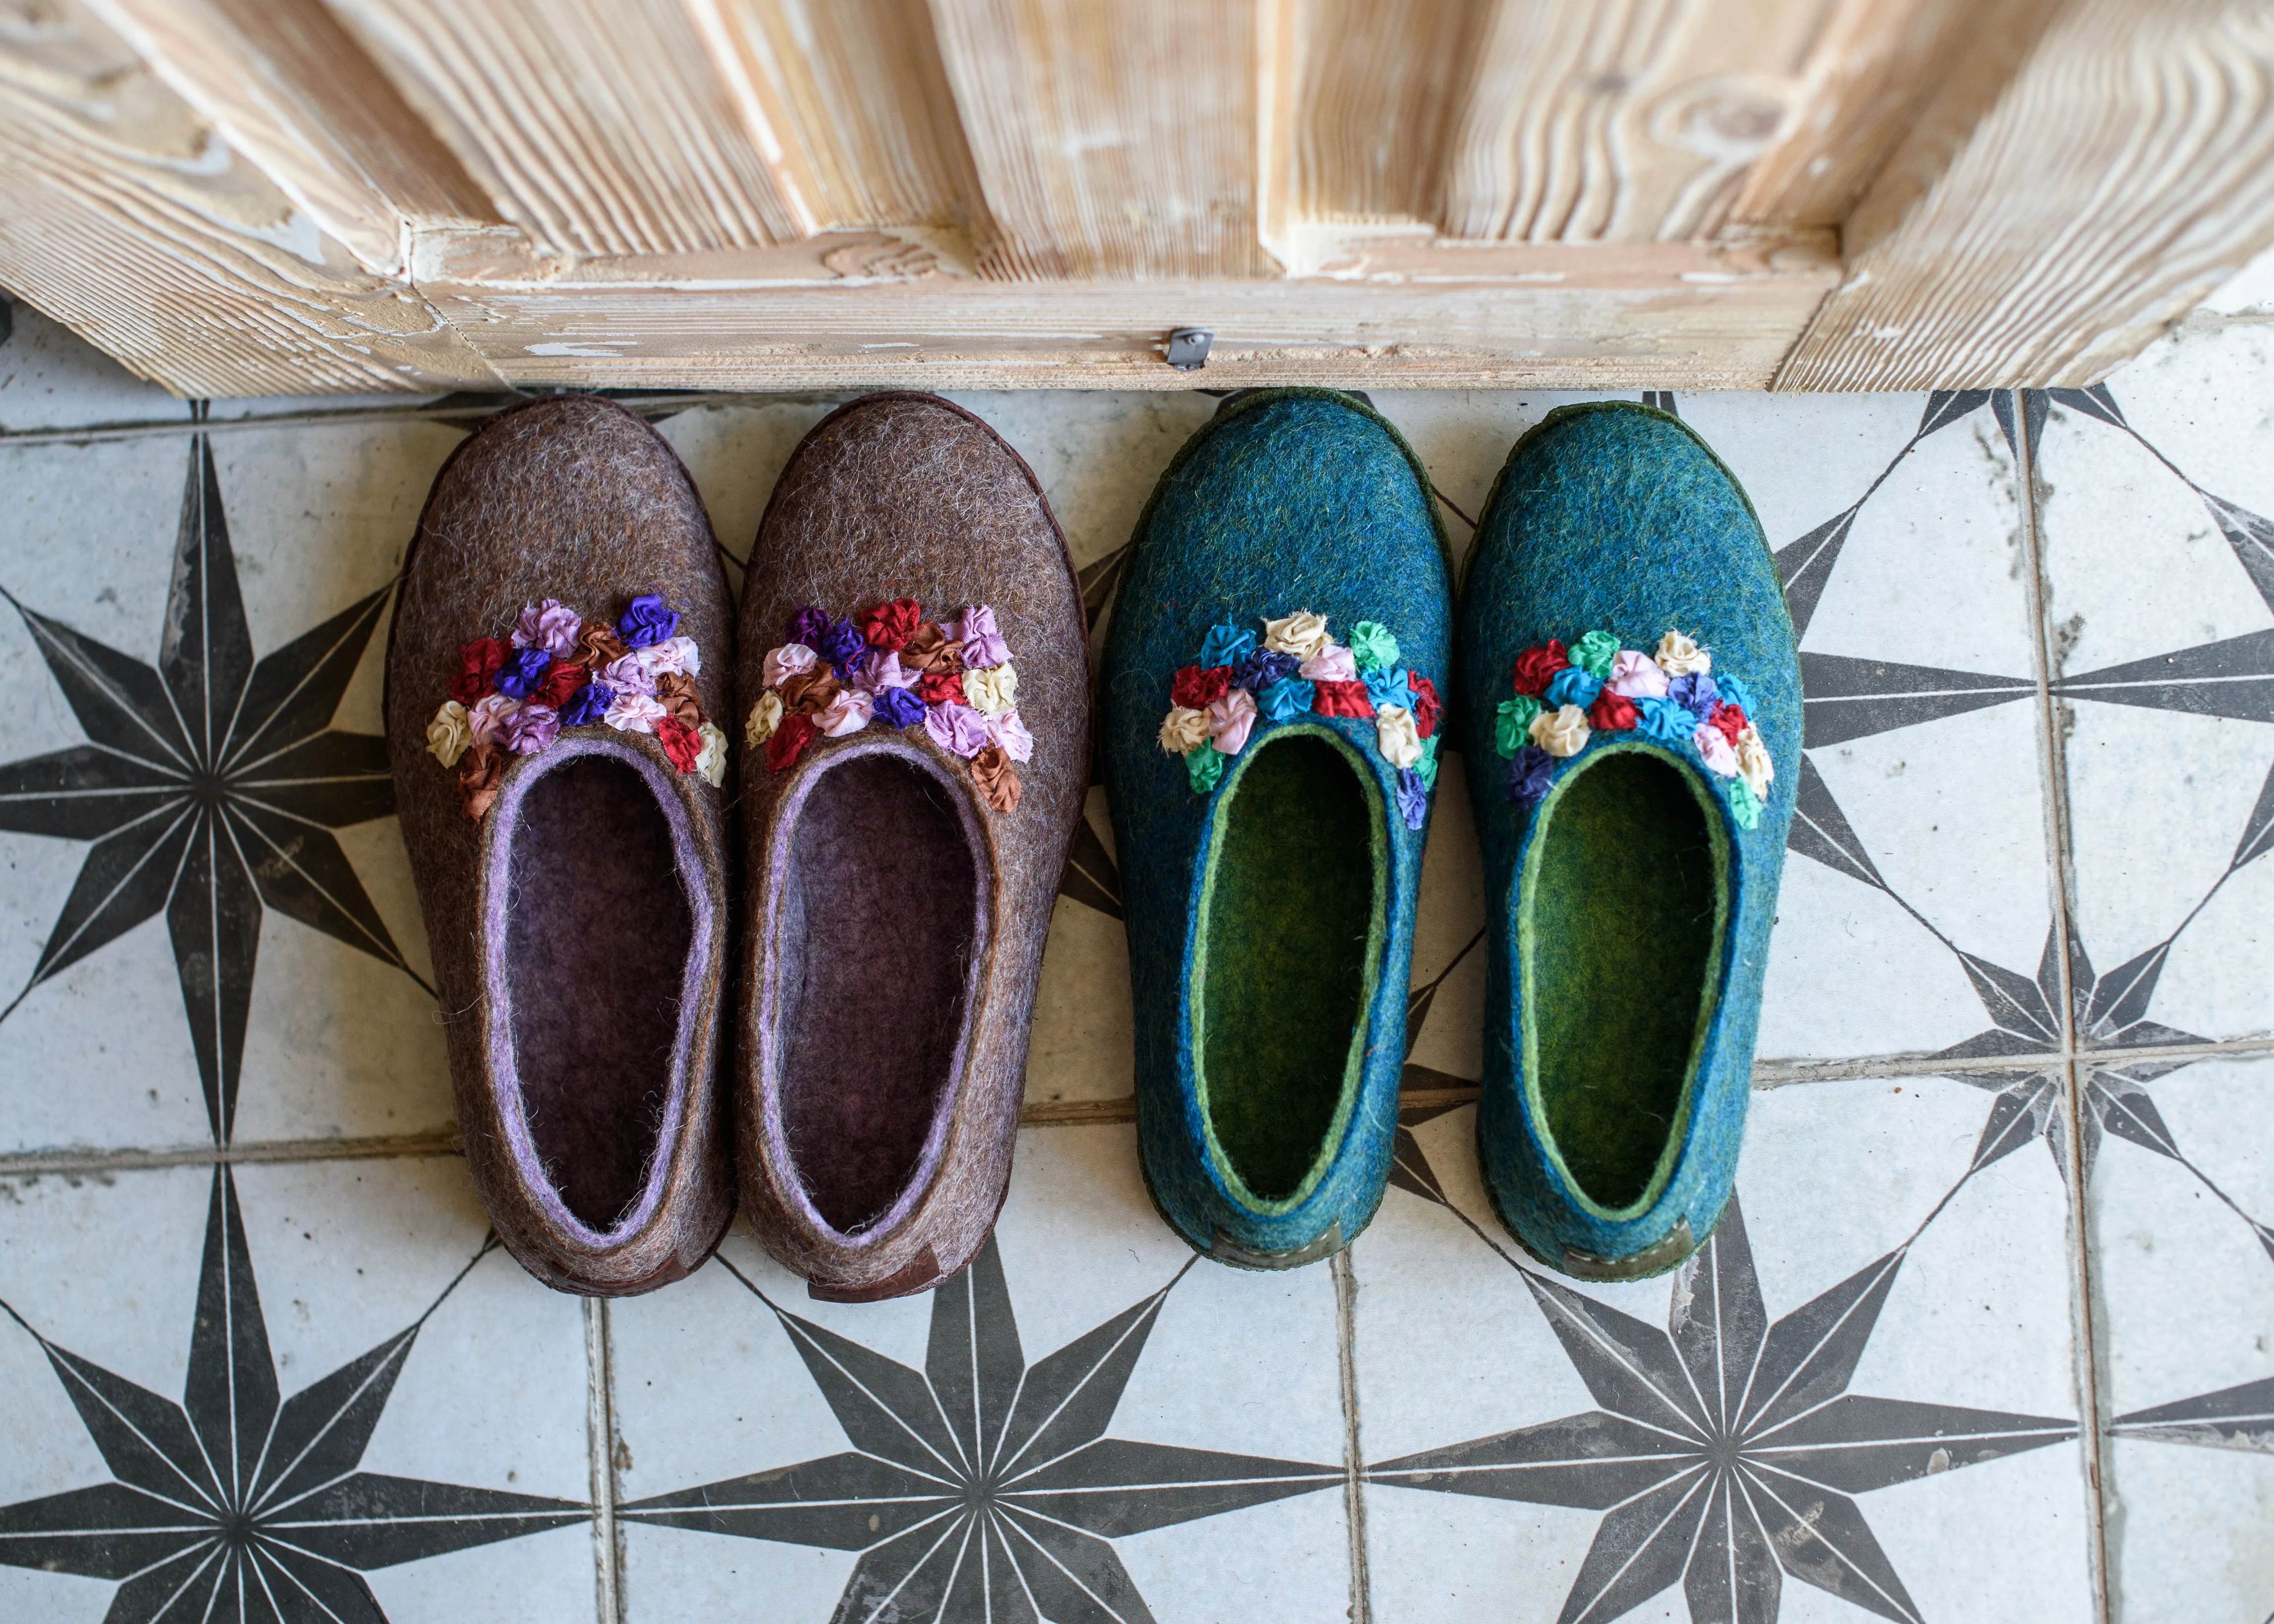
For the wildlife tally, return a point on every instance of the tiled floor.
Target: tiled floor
(1991, 1334)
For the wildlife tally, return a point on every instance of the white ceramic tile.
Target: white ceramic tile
(709, 1388)
(49, 378)
(1842, 1183)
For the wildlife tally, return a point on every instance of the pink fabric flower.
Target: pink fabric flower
(488, 720)
(1230, 720)
(848, 713)
(672, 654)
(1009, 731)
(1636, 676)
(790, 661)
(1333, 663)
(551, 626)
(532, 727)
(957, 729)
(1714, 749)
(634, 712)
(882, 670)
(982, 639)
(630, 676)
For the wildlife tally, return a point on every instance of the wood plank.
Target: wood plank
(1111, 141)
(290, 89)
(2125, 169)
(600, 127)
(126, 216)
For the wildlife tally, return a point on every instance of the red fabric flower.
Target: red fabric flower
(562, 679)
(890, 626)
(1426, 706)
(1197, 688)
(941, 688)
(1729, 720)
(478, 663)
(788, 741)
(681, 742)
(1342, 699)
(1536, 667)
(1611, 714)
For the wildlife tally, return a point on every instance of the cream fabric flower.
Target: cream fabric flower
(1394, 732)
(711, 763)
(1184, 730)
(848, 713)
(1678, 657)
(1753, 763)
(450, 733)
(1301, 634)
(787, 661)
(992, 691)
(1562, 733)
(765, 716)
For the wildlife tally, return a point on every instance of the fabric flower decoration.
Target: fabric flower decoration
(1529, 772)
(1611, 714)
(1011, 733)
(675, 693)
(1301, 634)
(930, 648)
(1678, 657)
(789, 741)
(1694, 693)
(995, 778)
(1572, 686)
(1729, 719)
(1184, 730)
(1388, 687)
(677, 654)
(634, 712)
(1413, 798)
(1560, 732)
(1226, 645)
(1230, 720)
(1714, 749)
(1595, 653)
(847, 714)
(711, 763)
(898, 707)
(1744, 804)
(1753, 763)
(1512, 726)
(531, 728)
(1426, 769)
(562, 679)
(1262, 668)
(448, 734)
(1196, 687)
(809, 692)
(1203, 771)
(551, 626)
(588, 706)
(478, 667)
(983, 643)
(479, 774)
(1426, 706)
(1536, 667)
(1341, 699)
(806, 627)
(957, 729)
(1665, 721)
(681, 743)
(598, 646)
(647, 619)
(889, 626)
(629, 676)
(1735, 693)
(522, 671)
(765, 716)
(1394, 735)
(1332, 662)
(1286, 699)
(1636, 675)
(790, 661)
(993, 690)
(883, 670)
(843, 646)
(487, 721)
(1372, 646)
(942, 687)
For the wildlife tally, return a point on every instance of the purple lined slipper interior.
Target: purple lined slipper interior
(876, 931)
(596, 936)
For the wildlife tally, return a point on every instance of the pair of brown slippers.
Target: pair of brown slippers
(829, 1011)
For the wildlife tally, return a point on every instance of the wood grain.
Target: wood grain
(2126, 169)
(126, 216)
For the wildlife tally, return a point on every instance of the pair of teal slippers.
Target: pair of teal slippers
(1283, 666)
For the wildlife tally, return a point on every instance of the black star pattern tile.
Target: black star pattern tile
(238, 1504)
(982, 1488)
(208, 785)
(2236, 1417)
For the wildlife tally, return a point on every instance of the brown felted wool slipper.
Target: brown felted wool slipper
(914, 687)
(560, 645)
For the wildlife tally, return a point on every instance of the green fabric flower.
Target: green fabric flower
(1512, 731)
(1426, 769)
(1205, 768)
(1744, 806)
(1372, 646)
(1593, 654)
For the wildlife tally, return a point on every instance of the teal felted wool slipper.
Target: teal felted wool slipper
(1633, 722)
(1269, 714)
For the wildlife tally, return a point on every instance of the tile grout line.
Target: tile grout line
(2054, 763)
(600, 1435)
(1361, 1607)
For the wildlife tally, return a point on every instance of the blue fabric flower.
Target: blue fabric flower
(899, 707)
(1413, 798)
(588, 704)
(844, 647)
(1286, 699)
(1388, 687)
(1665, 721)
(1694, 694)
(1225, 645)
(1573, 687)
(519, 676)
(1735, 693)
(649, 621)
(1530, 772)
(1260, 670)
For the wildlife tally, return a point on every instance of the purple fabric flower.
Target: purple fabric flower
(1529, 770)
(1260, 670)
(807, 627)
(1694, 694)
(521, 675)
(899, 707)
(587, 705)
(844, 647)
(1413, 798)
(649, 619)
(532, 728)
(957, 729)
